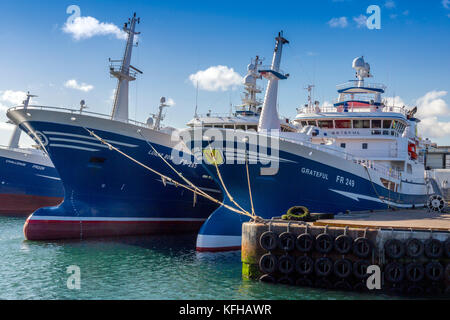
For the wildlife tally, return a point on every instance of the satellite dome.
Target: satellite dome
(359, 63)
(251, 67)
(249, 79)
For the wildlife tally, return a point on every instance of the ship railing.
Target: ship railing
(391, 172)
(354, 83)
(332, 109)
(80, 112)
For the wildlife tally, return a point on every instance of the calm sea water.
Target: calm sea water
(146, 268)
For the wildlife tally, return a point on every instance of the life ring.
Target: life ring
(414, 248)
(268, 241)
(362, 247)
(360, 269)
(286, 241)
(434, 248)
(394, 272)
(434, 271)
(304, 243)
(286, 264)
(415, 272)
(304, 265)
(343, 244)
(268, 263)
(394, 248)
(343, 268)
(323, 267)
(267, 278)
(298, 213)
(324, 243)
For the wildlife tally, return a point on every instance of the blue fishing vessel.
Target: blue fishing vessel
(28, 179)
(107, 194)
(359, 154)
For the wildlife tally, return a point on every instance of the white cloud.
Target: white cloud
(13, 97)
(394, 101)
(88, 27)
(446, 4)
(171, 102)
(73, 84)
(361, 21)
(389, 4)
(338, 22)
(432, 104)
(218, 78)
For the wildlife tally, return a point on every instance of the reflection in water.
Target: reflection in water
(152, 267)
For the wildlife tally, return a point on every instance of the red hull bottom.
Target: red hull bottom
(14, 204)
(38, 230)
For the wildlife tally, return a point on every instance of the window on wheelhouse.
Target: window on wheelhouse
(343, 124)
(240, 128)
(361, 124)
(312, 123)
(376, 124)
(326, 124)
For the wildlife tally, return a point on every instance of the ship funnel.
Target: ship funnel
(270, 119)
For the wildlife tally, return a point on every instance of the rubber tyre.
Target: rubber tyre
(343, 268)
(362, 248)
(304, 265)
(394, 272)
(394, 248)
(305, 243)
(324, 243)
(267, 278)
(286, 241)
(268, 263)
(415, 272)
(304, 282)
(268, 241)
(434, 271)
(286, 264)
(360, 269)
(414, 248)
(434, 248)
(447, 248)
(286, 280)
(343, 244)
(323, 267)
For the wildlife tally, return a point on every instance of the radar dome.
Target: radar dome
(150, 122)
(359, 63)
(251, 67)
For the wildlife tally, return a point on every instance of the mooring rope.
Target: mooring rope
(166, 178)
(201, 192)
(224, 187)
(374, 189)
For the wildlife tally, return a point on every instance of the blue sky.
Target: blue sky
(410, 53)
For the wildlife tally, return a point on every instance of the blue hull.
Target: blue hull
(299, 182)
(108, 194)
(26, 186)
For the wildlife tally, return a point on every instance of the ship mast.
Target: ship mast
(123, 73)
(269, 119)
(15, 138)
(250, 98)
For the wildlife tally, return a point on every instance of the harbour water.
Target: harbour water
(142, 268)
